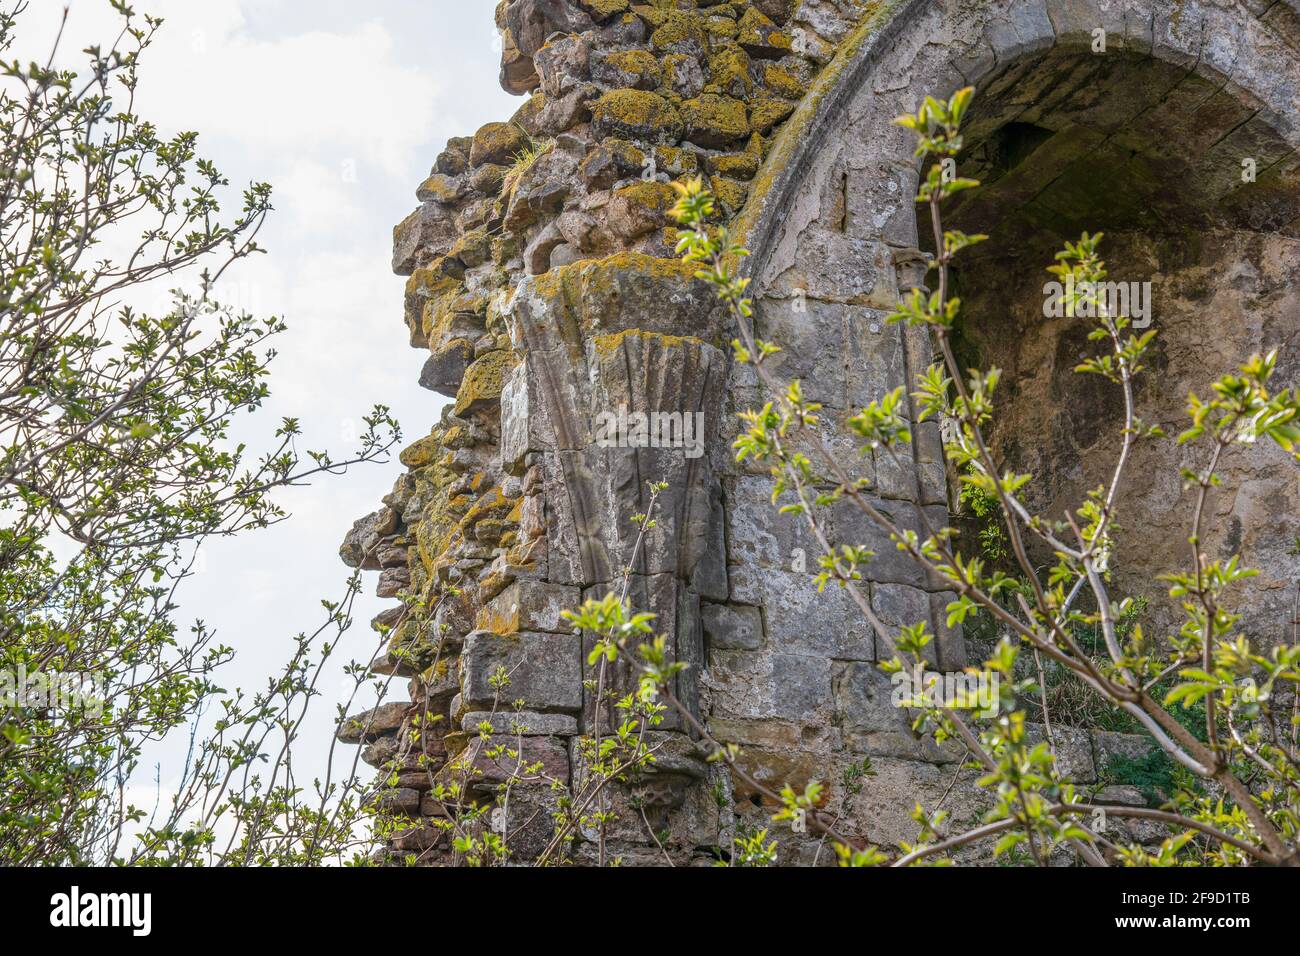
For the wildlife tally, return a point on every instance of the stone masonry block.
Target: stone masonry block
(544, 670)
(530, 605)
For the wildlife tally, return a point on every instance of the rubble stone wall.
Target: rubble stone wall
(542, 285)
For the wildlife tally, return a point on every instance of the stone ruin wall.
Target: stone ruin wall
(549, 294)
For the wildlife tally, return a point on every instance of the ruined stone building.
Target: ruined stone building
(544, 292)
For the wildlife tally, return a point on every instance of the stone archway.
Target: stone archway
(542, 284)
(1196, 193)
(835, 240)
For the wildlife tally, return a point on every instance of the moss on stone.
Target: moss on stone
(608, 344)
(722, 29)
(652, 16)
(457, 436)
(600, 277)
(426, 282)
(714, 120)
(788, 140)
(490, 177)
(767, 112)
(525, 117)
(636, 114)
(438, 524)
(680, 28)
(483, 382)
(444, 311)
(640, 208)
(730, 192)
(783, 82)
(639, 68)
(743, 165)
(497, 143)
(492, 504)
(761, 37)
(442, 189)
(603, 9)
(729, 71)
(422, 451)
(652, 195)
(473, 248)
(676, 161)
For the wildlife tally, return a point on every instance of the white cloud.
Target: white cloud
(340, 93)
(290, 93)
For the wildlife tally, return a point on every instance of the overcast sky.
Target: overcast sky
(342, 107)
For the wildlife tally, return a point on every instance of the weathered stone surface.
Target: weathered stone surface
(714, 121)
(445, 370)
(1073, 745)
(530, 606)
(732, 626)
(761, 37)
(393, 582)
(531, 22)
(543, 670)
(802, 620)
(637, 210)
(360, 548)
(543, 287)
(626, 69)
(512, 723)
(870, 720)
(372, 724)
(636, 114)
(397, 800)
(420, 237)
(497, 143)
(490, 769)
(482, 383)
(769, 684)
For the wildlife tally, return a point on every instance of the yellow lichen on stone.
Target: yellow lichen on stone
(626, 154)
(641, 65)
(768, 112)
(437, 526)
(676, 161)
(713, 120)
(491, 504)
(654, 15)
(759, 35)
(782, 82)
(473, 248)
(607, 344)
(739, 165)
(729, 72)
(730, 192)
(573, 287)
(483, 381)
(497, 143)
(601, 9)
(440, 312)
(791, 135)
(421, 452)
(653, 195)
(426, 283)
(680, 26)
(636, 114)
(722, 28)
(441, 189)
